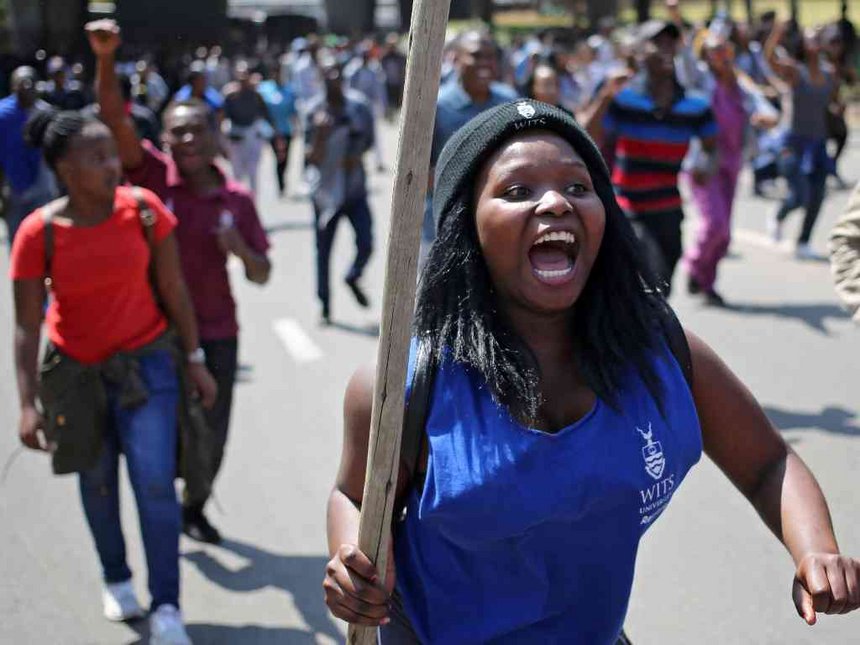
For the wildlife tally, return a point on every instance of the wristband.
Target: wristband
(197, 357)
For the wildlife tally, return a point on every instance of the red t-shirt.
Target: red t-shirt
(102, 297)
(204, 265)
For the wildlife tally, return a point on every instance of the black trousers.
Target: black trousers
(282, 161)
(222, 358)
(660, 235)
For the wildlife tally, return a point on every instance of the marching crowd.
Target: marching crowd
(131, 284)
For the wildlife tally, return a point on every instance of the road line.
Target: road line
(296, 341)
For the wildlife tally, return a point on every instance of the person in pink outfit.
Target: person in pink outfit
(736, 105)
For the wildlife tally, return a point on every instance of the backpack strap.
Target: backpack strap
(417, 408)
(48, 220)
(680, 348)
(147, 216)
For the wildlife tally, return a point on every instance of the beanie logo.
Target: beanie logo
(526, 110)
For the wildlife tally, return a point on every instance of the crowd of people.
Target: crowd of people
(629, 113)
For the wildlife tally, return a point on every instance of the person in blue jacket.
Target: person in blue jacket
(567, 409)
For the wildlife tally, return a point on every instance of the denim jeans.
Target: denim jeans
(147, 436)
(804, 165)
(357, 212)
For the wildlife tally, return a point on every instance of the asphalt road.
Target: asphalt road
(708, 572)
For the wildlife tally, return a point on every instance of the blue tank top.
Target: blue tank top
(524, 536)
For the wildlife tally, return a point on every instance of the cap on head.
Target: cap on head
(470, 147)
(651, 29)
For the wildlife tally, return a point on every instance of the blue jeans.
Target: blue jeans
(357, 212)
(804, 164)
(147, 436)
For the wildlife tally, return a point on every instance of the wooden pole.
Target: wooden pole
(426, 38)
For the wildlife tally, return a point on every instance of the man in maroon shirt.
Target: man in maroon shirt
(216, 217)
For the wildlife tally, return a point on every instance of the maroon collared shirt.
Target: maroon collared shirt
(204, 265)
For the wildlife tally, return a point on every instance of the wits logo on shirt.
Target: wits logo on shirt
(655, 497)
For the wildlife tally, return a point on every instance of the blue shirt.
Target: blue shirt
(454, 108)
(522, 536)
(211, 97)
(281, 101)
(19, 161)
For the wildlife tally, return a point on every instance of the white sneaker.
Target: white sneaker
(120, 603)
(166, 627)
(805, 252)
(774, 229)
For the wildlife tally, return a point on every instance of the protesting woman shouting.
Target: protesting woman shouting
(567, 408)
(103, 322)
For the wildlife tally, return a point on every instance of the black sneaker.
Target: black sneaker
(197, 527)
(357, 292)
(713, 299)
(693, 286)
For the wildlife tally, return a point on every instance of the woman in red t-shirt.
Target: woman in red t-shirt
(102, 304)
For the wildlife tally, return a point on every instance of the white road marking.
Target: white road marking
(296, 341)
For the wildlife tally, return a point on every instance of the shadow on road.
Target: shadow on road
(830, 419)
(227, 634)
(813, 315)
(371, 329)
(299, 576)
(291, 225)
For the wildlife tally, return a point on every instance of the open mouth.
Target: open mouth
(553, 257)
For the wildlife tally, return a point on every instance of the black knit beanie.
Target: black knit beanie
(469, 147)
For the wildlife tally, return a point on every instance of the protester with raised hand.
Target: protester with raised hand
(807, 94)
(216, 219)
(109, 347)
(565, 408)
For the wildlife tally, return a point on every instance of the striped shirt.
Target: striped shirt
(650, 147)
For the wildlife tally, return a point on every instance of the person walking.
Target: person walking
(364, 74)
(31, 183)
(808, 93)
(339, 130)
(565, 407)
(652, 121)
(103, 318)
(216, 219)
(280, 98)
(472, 89)
(247, 125)
(737, 106)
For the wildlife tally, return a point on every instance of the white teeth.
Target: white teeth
(557, 236)
(553, 274)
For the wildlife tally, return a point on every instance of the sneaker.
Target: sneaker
(120, 603)
(166, 627)
(693, 286)
(774, 229)
(197, 527)
(805, 252)
(357, 292)
(713, 299)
